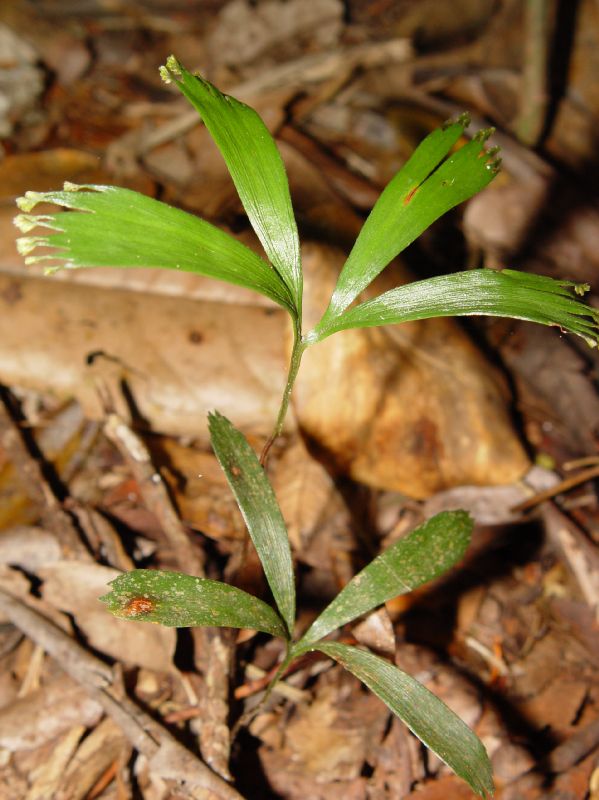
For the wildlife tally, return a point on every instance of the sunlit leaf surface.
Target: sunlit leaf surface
(422, 191)
(256, 167)
(480, 291)
(106, 226)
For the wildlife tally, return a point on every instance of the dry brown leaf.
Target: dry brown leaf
(200, 489)
(492, 505)
(414, 408)
(316, 516)
(45, 170)
(28, 547)
(329, 740)
(75, 587)
(180, 358)
(45, 714)
(46, 778)
(376, 632)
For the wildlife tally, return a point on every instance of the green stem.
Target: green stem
(246, 718)
(296, 359)
(289, 656)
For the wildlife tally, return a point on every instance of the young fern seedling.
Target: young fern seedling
(108, 226)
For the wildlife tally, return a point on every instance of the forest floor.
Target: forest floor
(106, 378)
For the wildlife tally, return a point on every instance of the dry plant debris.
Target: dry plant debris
(510, 639)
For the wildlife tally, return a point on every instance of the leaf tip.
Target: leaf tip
(28, 222)
(463, 120)
(29, 200)
(483, 134)
(27, 244)
(582, 288)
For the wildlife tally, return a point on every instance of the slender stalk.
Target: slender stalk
(246, 718)
(294, 364)
(534, 95)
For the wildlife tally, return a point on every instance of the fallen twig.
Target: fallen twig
(578, 552)
(559, 488)
(212, 646)
(311, 69)
(167, 758)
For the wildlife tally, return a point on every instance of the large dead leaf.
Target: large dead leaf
(180, 358)
(317, 519)
(46, 713)
(75, 587)
(414, 407)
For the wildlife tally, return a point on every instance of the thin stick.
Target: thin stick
(212, 646)
(534, 96)
(167, 758)
(154, 492)
(559, 488)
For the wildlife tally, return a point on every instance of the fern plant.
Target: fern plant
(110, 226)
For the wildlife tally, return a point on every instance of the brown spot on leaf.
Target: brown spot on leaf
(410, 195)
(195, 337)
(138, 606)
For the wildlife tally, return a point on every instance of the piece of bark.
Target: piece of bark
(105, 745)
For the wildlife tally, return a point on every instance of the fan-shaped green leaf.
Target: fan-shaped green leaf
(424, 554)
(260, 510)
(182, 601)
(481, 291)
(256, 167)
(111, 227)
(425, 715)
(422, 191)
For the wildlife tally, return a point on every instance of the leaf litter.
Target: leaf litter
(508, 638)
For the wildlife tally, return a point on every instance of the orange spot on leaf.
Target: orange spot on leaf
(137, 606)
(410, 195)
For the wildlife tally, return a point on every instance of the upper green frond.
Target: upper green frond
(106, 226)
(256, 167)
(425, 188)
(505, 293)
